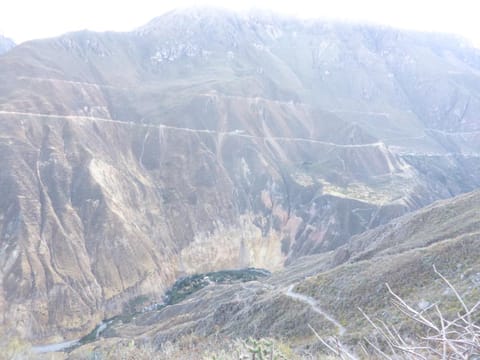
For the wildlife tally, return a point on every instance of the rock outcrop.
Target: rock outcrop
(209, 140)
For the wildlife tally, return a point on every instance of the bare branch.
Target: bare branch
(440, 338)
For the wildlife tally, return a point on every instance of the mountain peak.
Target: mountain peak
(187, 17)
(6, 44)
(217, 140)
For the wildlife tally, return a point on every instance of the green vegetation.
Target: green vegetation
(91, 336)
(190, 284)
(134, 304)
(177, 293)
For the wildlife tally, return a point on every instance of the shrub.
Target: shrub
(437, 335)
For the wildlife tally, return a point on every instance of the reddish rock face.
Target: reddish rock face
(188, 146)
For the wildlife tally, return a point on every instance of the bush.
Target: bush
(436, 336)
(252, 349)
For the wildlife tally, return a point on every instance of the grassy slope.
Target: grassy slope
(402, 254)
(442, 220)
(169, 92)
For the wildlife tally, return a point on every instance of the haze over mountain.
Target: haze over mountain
(5, 44)
(208, 140)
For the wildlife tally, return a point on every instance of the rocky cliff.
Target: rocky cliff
(325, 291)
(207, 140)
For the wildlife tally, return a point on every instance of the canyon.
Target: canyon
(208, 140)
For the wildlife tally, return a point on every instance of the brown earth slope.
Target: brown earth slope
(208, 140)
(325, 292)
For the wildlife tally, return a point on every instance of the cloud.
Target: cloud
(29, 19)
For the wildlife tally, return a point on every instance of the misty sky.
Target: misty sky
(29, 19)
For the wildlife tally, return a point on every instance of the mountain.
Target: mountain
(208, 140)
(324, 291)
(5, 44)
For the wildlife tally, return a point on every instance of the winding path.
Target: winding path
(314, 306)
(235, 133)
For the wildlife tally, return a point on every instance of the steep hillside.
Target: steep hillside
(207, 140)
(317, 291)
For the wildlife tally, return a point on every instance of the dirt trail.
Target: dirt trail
(314, 306)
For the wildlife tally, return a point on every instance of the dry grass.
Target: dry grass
(437, 336)
(191, 347)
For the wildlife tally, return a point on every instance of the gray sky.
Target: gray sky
(29, 19)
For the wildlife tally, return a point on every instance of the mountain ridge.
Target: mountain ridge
(326, 291)
(6, 44)
(132, 159)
